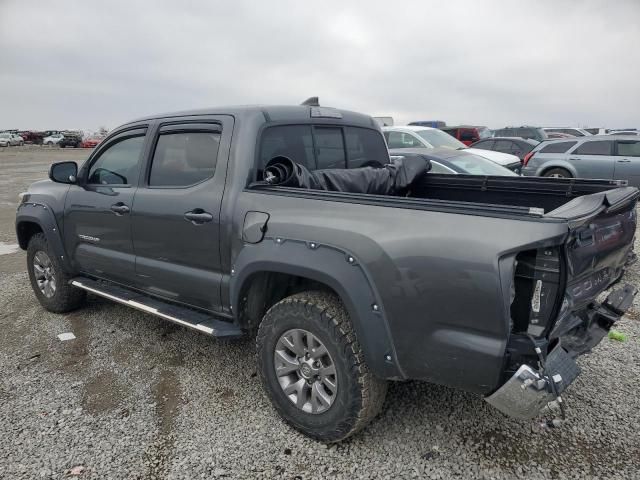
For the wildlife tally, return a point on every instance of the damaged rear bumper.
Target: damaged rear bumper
(530, 390)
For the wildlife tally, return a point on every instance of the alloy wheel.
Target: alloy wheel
(44, 274)
(305, 370)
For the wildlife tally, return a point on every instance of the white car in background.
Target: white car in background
(8, 139)
(52, 139)
(411, 136)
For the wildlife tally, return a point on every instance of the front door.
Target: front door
(97, 219)
(627, 161)
(176, 214)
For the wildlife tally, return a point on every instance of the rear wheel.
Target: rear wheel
(557, 173)
(49, 281)
(313, 368)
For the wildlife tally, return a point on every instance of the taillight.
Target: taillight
(527, 157)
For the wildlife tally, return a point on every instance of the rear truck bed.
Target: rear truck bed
(497, 295)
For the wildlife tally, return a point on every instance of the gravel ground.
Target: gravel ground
(135, 397)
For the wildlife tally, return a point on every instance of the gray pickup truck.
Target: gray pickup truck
(487, 284)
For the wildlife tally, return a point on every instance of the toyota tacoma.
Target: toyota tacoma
(292, 225)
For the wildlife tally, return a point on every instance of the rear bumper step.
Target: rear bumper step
(174, 313)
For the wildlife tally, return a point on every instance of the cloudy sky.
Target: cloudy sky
(89, 63)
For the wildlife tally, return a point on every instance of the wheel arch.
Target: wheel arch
(266, 272)
(545, 167)
(34, 218)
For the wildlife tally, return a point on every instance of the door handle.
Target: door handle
(576, 159)
(198, 216)
(119, 208)
(624, 160)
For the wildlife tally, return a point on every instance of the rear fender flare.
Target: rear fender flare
(338, 269)
(42, 215)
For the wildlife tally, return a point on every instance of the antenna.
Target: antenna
(311, 102)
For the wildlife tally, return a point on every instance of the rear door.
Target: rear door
(627, 161)
(593, 159)
(97, 218)
(176, 215)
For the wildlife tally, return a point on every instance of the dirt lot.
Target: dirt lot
(134, 397)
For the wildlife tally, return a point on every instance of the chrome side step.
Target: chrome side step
(174, 313)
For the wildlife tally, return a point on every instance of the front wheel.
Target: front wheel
(557, 173)
(49, 281)
(313, 368)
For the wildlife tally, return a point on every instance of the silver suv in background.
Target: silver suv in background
(607, 157)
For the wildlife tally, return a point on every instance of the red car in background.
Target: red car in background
(90, 142)
(467, 134)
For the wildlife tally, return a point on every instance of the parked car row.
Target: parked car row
(49, 138)
(525, 150)
(426, 139)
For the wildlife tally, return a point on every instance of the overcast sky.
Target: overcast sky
(89, 63)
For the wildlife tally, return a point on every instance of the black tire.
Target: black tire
(558, 173)
(359, 396)
(66, 297)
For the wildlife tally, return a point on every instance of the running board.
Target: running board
(174, 313)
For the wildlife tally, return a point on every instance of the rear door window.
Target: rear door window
(184, 159)
(503, 146)
(602, 147)
(560, 147)
(629, 149)
(484, 144)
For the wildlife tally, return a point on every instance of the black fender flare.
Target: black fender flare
(42, 215)
(339, 270)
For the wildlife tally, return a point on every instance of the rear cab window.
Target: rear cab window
(321, 147)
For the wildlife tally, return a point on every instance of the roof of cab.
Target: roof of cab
(275, 113)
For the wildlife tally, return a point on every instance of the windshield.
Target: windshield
(4, 135)
(475, 165)
(438, 138)
(484, 132)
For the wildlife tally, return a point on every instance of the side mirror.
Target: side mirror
(63, 172)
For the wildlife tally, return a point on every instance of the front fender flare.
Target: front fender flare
(336, 268)
(42, 215)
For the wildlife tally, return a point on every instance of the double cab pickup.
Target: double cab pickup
(492, 285)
